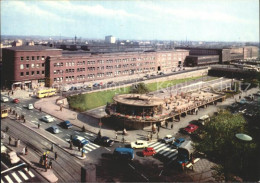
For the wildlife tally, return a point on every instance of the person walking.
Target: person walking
(28, 167)
(23, 151)
(55, 156)
(10, 139)
(12, 92)
(6, 129)
(39, 125)
(71, 144)
(50, 164)
(171, 126)
(116, 134)
(26, 150)
(52, 147)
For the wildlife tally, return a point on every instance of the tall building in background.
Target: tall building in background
(110, 39)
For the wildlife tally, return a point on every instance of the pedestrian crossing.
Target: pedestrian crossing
(90, 147)
(22, 175)
(164, 150)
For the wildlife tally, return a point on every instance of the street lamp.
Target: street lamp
(244, 138)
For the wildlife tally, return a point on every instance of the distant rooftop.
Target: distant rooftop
(31, 48)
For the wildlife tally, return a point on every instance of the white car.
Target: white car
(30, 106)
(47, 118)
(4, 99)
(139, 144)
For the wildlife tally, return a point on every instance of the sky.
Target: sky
(197, 20)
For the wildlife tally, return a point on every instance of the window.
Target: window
(32, 73)
(32, 65)
(43, 57)
(21, 66)
(21, 58)
(27, 66)
(38, 72)
(37, 65)
(27, 73)
(42, 72)
(38, 57)
(32, 57)
(27, 58)
(42, 65)
(21, 73)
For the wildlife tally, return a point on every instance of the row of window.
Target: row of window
(27, 66)
(32, 73)
(32, 58)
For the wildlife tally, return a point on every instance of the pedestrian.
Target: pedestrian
(8, 93)
(40, 109)
(55, 155)
(79, 146)
(28, 167)
(39, 125)
(171, 126)
(24, 120)
(116, 134)
(50, 164)
(158, 129)
(23, 151)
(71, 144)
(52, 147)
(10, 139)
(12, 92)
(6, 129)
(26, 150)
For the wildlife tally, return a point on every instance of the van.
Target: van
(123, 153)
(204, 119)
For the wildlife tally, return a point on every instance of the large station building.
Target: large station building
(33, 66)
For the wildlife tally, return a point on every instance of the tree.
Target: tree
(139, 88)
(219, 142)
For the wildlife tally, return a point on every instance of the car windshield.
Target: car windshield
(84, 141)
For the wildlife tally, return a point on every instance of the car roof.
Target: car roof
(168, 136)
(150, 148)
(181, 139)
(67, 122)
(140, 141)
(47, 116)
(80, 138)
(105, 137)
(192, 125)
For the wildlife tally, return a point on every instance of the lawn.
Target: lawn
(93, 100)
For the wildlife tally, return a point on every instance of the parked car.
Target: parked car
(77, 140)
(10, 157)
(30, 106)
(168, 139)
(204, 119)
(16, 101)
(89, 85)
(110, 82)
(191, 128)
(66, 124)
(178, 142)
(47, 118)
(161, 73)
(106, 141)
(54, 129)
(139, 144)
(95, 85)
(4, 99)
(149, 151)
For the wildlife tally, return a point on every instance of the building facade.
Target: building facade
(38, 65)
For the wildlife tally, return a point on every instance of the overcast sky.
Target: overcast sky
(207, 20)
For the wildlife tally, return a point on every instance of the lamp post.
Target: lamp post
(244, 138)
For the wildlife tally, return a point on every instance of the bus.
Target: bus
(185, 152)
(46, 93)
(124, 153)
(4, 111)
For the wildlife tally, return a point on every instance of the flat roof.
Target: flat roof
(31, 48)
(138, 100)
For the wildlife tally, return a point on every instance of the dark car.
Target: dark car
(54, 129)
(106, 141)
(66, 124)
(78, 140)
(96, 85)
